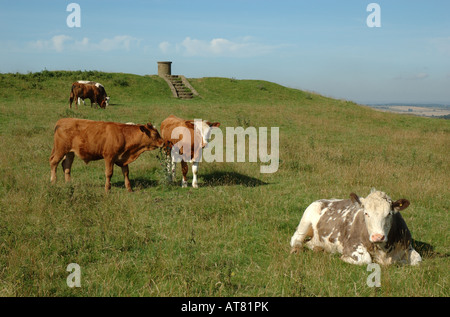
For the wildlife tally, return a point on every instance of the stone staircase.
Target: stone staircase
(182, 91)
(180, 86)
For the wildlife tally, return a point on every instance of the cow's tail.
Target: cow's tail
(72, 96)
(52, 155)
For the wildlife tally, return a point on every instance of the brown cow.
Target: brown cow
(172, 129)
(116, 143)
(93, 91)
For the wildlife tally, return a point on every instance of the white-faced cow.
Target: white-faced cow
(363, 230)
(189, 148)
(91, 90)
(116, 143)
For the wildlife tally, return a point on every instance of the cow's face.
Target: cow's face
(104, 103)
(153, 140)
(204, 128)
(379, 211)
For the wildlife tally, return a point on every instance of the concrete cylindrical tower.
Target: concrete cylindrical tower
(164, 68)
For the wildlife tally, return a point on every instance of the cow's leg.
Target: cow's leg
(71, 99)
(77, 102)
(194, 172)
(125, 172)
(109, 169)
(54, 160)
(305, 227)
(80, 100)
(184, 169)
(304, 230)
(67, 164)
(414, 257)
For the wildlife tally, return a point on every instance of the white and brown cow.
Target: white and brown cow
(91, 90)
(185, 140)
(363, 230)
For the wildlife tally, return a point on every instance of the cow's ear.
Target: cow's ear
(144, 129)
(400, 204)
(214, 124)
(149, 126)
(355, 198)
(189, 124)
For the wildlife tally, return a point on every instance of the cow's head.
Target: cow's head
(104, 103)
(153, 139)
(204, 128)
(379, 211)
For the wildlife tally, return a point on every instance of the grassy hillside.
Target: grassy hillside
(231, 236)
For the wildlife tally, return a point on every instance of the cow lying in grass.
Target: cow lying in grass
(363, 230)
(116, 143)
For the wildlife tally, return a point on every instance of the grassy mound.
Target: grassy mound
(231, 236)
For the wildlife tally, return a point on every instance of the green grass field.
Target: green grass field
(231, 236)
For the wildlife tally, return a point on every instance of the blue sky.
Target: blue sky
(323, 46)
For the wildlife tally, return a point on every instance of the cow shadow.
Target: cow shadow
(137, 183)
(116, 104)
(230, 179)
(427, 251)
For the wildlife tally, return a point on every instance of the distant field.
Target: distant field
(230, 237)
(416, 110)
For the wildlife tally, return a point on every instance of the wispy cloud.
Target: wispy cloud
(117, 43)
(242, 47)
(59, 43)
(412, 76)
(441, 44)
(164, 47)
(56, 43)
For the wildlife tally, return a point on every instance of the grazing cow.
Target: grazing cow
(93, 91)
(172, 129)
(87, 82)
(116, 143)
(363, 230)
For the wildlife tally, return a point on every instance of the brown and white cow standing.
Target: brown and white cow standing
(116, 143)
(363, 230)
(91, 90)
(188, 148)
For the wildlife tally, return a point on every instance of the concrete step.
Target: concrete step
(179, 88)
(185, 92)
